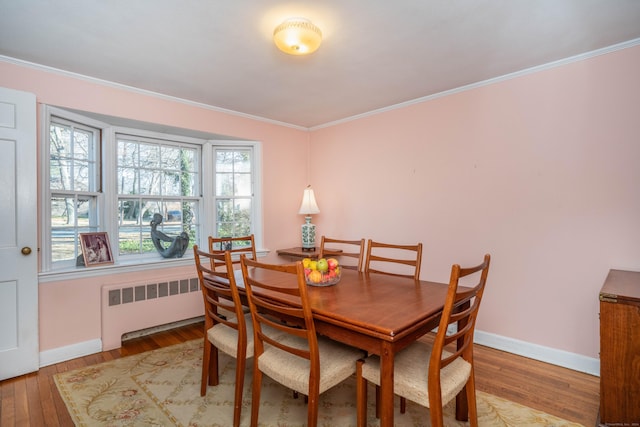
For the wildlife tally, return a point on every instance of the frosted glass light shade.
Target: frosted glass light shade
(297, 36)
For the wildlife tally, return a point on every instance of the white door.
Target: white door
(18, 236)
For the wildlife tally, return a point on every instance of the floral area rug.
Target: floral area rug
(162, 388)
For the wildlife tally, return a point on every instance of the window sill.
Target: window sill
(118, 268)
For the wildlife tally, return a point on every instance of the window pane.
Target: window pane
(129, 240)
(63, 246)
(150, 182)
(129, 212)
(242, 211)
(225, 230)
(127, 181)
(242, 185)
(233, 192)
(224, 161)
(190, 184)
(150, 207)
(161, 169)
(63, 234)
(127, 152)
(81, 144)
(71, 158)
(86, 210)
(59, 175)
(189, 159)
(224, 210)
(190, 213)
(149, 156)
(59, 141)
(224, 184)
(80, 172)
(242, 161)
(69, 217)
(69, 175)
(173, 213)
(170, 158)
(171, 184)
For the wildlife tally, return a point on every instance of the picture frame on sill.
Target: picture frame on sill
(96, 249)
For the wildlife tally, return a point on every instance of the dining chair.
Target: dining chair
(433, 373)
(407, 257)
(232, 334)
(300, 360)
(342, 249)
(235, 245)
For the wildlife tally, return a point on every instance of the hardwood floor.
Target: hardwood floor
(33, 399)
(562, 392)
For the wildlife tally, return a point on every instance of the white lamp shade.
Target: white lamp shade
(308, 205)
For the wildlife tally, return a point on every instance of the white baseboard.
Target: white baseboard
(62, 354)
(574, 361)
(554, 356)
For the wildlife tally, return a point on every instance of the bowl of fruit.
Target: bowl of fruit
(323, 272)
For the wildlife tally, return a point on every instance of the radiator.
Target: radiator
(132, 307)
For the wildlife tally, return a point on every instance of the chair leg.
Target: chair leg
(213, 366)
(206, 355)
(435, 409)
(255, 395)
(471, 400)
(312, 406)
(361, 393)
(237, 401)
(209, 367)
(403, 405)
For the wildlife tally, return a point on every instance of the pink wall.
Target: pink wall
(542, 171)
(70, 309)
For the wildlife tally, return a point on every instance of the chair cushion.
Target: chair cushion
(411, 374)
(337, 363)
(226, 339)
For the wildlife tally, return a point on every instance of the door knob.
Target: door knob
(26, 250)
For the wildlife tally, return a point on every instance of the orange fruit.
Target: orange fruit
(315, 276)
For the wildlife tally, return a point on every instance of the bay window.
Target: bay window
(113, 175)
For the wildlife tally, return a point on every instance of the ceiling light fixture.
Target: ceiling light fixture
(297, 36)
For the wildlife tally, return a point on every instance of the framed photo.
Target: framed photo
(96, 249)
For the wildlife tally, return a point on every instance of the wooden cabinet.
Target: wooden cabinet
(620, 349)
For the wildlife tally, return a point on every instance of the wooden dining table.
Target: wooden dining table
(380, 314)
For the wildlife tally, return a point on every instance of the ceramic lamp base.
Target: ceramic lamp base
(308, 235)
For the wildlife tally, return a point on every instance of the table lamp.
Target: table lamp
(308, 207)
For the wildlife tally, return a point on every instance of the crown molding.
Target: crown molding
(526, 71)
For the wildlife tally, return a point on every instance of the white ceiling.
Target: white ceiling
(375, 53)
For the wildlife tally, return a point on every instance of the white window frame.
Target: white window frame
(227, 147)
(45, 215)
(107, 200)
(167, 140)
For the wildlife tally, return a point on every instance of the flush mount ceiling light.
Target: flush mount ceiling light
(297, 36)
